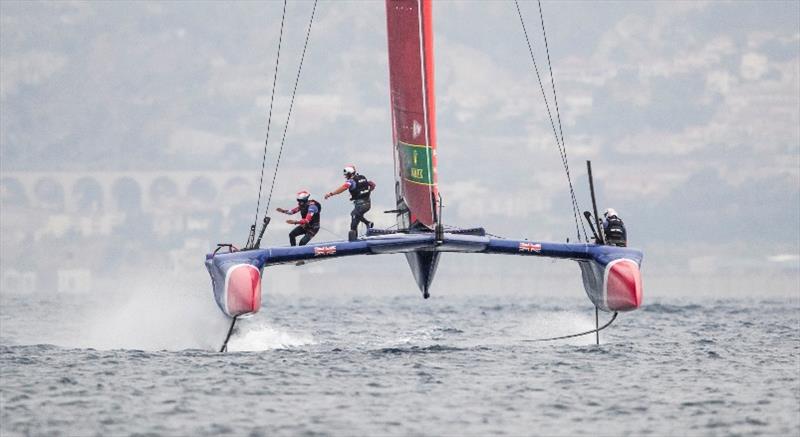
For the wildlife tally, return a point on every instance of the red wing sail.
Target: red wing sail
(410, 34)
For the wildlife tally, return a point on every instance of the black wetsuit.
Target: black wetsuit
(360, 189)
(310, 229)
(615, 232)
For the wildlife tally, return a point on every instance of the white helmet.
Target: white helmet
(610, 212)
(349, 170)
(303, 196)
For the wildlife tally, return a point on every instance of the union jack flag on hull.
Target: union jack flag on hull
(324, 250)
(530, 247)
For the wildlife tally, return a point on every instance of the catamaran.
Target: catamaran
(611, 274)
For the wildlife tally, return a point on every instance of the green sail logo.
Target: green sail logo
(416, 162)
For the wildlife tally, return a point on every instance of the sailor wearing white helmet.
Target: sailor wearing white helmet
(360, 189)
(308, 225)
(614, 229)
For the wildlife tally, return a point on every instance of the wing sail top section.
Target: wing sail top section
(410, 36)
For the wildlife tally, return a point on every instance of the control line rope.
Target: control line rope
(559, 142)
(269, 118)
(614, 317)
(291, 104)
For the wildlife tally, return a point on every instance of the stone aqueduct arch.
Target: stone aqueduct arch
(90, 192)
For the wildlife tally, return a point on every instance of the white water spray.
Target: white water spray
(257, 335)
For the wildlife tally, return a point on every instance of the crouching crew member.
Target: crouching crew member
(308, 225)
(614, 229)
(360, 189)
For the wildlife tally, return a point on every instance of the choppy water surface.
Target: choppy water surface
(400, 365)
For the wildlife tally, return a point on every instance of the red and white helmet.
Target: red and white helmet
(349, 170)
(303, 196)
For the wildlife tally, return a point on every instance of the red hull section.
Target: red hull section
(623, 285)
(410, 36)
(243, 290)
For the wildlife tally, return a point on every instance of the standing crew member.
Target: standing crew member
(360, 189)
(308, 225)
(614, 229)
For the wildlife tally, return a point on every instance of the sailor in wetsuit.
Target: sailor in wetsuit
(360, 189)
(308, 225)
(614, 229)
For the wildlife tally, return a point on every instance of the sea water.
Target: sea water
(398, 365)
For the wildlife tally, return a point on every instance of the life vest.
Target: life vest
(304, 211)
(615, 232)
(359, 190)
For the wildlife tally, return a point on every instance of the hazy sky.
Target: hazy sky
(689, 110)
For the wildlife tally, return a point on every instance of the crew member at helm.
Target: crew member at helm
(308, 225)
(614, 229)
(360, 188)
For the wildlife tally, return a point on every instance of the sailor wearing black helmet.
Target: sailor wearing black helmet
(360, 189)
(308, 225)
(614, 229)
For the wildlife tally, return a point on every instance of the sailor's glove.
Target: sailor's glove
(291, 222)
(282, 210)
(327, 195)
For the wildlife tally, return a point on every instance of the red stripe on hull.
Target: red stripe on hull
(624, 286)
(243, 290)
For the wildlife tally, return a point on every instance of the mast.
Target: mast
(410, 43)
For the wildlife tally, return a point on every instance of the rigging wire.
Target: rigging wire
(560, 129)
(291, 105)
(269, 118)
(559, 144)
